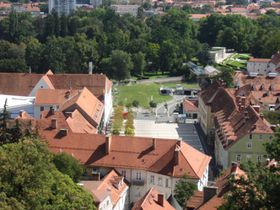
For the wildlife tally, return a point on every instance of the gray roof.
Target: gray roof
(173, 202)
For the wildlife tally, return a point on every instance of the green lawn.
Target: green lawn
(144, 93)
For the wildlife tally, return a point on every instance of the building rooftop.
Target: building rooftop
(168, 157)
(113, 185)
(190, 105)
(152, 200)
(22, 83)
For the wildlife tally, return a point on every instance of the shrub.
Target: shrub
(153, 104)
(135, 103)
(129, 132)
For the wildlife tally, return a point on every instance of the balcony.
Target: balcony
(138, 182)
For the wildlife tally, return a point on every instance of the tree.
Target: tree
(258, 190)
(121, 64)
(184, 190)
(66, 164)
(29, 180)
(273, 148)
(139, 63)
(204, 56)
(226, 75)
(33, 54)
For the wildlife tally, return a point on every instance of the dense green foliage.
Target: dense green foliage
(29, 180)
(260, 188)
(273, 148)
(121, 46)
(184, 189)
(67, 164)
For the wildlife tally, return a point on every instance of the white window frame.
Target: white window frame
(152, 181)
(159, 181)
(138, 176)
(238, 157)
(249, 145)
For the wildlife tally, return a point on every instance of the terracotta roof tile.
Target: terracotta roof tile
(87, 104)
(112, 185)
(56, 97)
(195, 200)
(20, 84)
(150, 202)
(131, 152)
(190, 105)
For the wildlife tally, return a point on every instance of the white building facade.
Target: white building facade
(62, 6)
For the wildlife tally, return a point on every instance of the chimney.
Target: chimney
(177, 152)
(209, 192)
(256, 108)
(54, 123)
(154, 143)
(161, 199)
(108, 139)
(90, 67)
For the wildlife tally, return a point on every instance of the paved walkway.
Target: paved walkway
(186, 132)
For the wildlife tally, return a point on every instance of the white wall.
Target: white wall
(123, 202)
(220, 153)
(40, 85)
(106, 204)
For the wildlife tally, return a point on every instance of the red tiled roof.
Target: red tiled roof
(20, 84)
(150, 202)
(276, 58)
(54, 96)
(259, 60)
(112, 185)
(23, 83)
(195, 200)
(87, 104)
(131, 152)
(190, 105)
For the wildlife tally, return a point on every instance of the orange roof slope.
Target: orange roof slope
(190, 105)
(157, 155)
(112, 185)
(55, 97)
(78, 124)
(150, 201)
(98, 84)
(87, 104)
(75, 123)
(20, 84)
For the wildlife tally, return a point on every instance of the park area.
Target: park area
(236, 61)
(144, 93)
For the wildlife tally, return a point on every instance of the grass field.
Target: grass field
(144, 93)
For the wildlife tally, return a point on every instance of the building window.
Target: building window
(250, 136)
(249, 145)
(261, 136)
(238, 158)
(42, 86)
(166, 182)
(138, 176)
(159, 181)
(259, 158)
(152, 179)
(124, 173)
(41, 108)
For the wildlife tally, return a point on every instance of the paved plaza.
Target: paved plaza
(186, 132)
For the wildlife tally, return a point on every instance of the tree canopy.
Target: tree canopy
(184, 189)
(29, 180)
